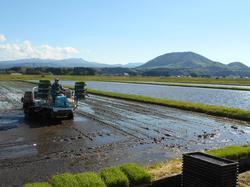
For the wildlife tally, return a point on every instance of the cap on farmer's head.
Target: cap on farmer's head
(56, 79)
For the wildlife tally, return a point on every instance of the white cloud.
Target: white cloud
(13, 51)
(2, 38)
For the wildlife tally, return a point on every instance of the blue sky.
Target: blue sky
(115, 31)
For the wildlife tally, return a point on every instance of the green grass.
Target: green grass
(135, 173)
(89, 179)
(63, 180)
(233, 152)
(37, 184)
(233, 113)
(114, 177)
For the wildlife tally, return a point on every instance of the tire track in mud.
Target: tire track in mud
(94, 117)
(107, 116)
(118, 110)
(83, 134)
(167, 126)
(104, 112)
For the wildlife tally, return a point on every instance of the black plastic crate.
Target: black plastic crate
(200, 169)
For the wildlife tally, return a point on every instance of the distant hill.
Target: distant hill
(181, 60)
(191, 64)
(71, 62)
(132, 65)
(237, 66)
(128, 65)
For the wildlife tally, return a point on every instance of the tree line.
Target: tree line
(51, 71)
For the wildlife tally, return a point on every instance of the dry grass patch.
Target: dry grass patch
(165, 168)
(244, 179)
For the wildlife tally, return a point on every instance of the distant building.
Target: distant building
(16, 74)
(126, 74)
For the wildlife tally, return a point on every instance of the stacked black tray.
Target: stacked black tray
(200, 169)
(43, 89)
(80, 90)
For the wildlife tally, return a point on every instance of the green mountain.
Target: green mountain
(181, 60)
(191, 64)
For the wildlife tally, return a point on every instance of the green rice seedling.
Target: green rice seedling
(136, 173)
(114, 177)
(89, 179)
(233, 152)
(37, 184)
(64, 180)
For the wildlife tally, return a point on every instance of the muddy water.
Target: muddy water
(104, 132)
(228, 98)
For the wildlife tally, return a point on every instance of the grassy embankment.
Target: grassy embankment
(227, 81)
(233, 113)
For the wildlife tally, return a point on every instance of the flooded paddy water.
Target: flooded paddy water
(228, 98)
(105, 132)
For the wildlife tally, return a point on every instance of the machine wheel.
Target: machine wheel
(70, 116)
(28, 114)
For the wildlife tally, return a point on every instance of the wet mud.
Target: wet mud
(104, 132)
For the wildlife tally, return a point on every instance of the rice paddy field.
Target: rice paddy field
(105, 132)
(220, 97)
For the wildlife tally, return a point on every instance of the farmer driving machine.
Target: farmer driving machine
(43, 102)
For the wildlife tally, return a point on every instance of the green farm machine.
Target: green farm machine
(39, 101)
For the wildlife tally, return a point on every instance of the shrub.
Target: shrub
(136, 173)
(114, 177)
(63, 180)
(37, 184)
(89, 179)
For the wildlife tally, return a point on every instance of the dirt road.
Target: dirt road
(104, 132)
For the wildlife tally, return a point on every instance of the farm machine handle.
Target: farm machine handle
(33, 92)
